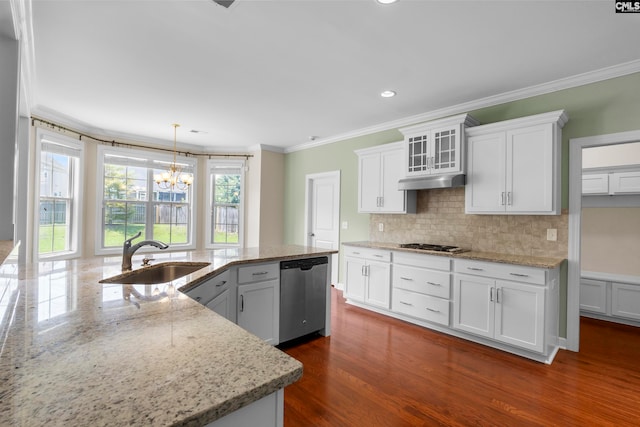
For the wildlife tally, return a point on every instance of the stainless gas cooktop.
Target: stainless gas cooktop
(433, 248)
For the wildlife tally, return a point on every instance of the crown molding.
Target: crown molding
(265, 147)
(490, 101)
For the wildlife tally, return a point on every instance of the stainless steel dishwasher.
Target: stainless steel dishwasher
(303, 297)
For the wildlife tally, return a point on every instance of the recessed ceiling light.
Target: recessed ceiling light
(387, 94)
(386, 1)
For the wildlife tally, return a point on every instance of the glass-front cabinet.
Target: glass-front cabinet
(436, 147)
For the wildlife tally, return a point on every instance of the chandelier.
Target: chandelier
(174, 178)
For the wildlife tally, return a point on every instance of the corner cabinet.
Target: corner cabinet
(514, 305)
(379, 170)
(436, 147)
(514, 166)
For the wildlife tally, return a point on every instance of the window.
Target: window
(58, 202)
(132, 202)
(225, 194)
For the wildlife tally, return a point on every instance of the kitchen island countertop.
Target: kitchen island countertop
(76, 352)
(526, 260)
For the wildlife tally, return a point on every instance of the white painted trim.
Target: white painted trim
(611, 277)
(575, 207)
(307, 211)
(515, 95)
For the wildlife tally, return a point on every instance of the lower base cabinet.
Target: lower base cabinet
(607, 297)
(259, 300)
(266, 412)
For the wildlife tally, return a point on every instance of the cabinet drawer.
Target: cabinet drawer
(511, 272)
(420, 306)
(367, 253)
(420, 260)
(436, 283)
(258, 273)
(210, 288)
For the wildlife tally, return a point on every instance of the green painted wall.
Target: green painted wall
(600, 108)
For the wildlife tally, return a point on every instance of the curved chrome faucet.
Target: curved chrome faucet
(128, 250)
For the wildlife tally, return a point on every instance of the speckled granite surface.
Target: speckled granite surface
(75, 352)
(530, 261)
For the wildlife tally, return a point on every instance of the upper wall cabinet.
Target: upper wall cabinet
(436, 147)
(611, 183)
(379, 169)
(514, 166)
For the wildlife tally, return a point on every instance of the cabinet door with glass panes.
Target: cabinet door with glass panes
(434, 151)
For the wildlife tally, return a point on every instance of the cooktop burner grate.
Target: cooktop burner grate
(432, 247)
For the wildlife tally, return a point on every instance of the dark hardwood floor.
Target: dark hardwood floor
(378, 371)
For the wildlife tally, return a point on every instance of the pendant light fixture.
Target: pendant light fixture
(174, 178)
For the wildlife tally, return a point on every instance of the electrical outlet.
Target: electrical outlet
(552, 234)
(380, 226)
(345, 225)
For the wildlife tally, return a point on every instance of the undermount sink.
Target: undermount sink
(159, 273)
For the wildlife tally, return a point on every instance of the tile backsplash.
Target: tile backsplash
(440, 219)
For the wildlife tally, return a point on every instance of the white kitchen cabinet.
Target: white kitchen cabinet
(625, 300)
(625, 182)
(421, 287)
(258, 299)
(379, 170)
(368, 276)
(436, 147)
(521, 312)
(514, 166)
(593, 295)
(223, 305)
(595, 184)
(212, 287)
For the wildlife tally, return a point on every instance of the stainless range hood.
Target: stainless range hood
(429, 182)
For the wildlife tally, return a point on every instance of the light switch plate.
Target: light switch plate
(552, 234)
(380, 226)
(345, 225)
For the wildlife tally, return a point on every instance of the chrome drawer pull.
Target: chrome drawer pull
(221, 283)
(355, 253)
(519, 274)
(433, 284)
(406, 303)
(406, 278)
(432, 310)
(378, 256)
(261, 273)
(475, 269)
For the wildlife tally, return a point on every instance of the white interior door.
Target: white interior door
(323, 214)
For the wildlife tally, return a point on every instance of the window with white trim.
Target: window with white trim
(132, 202)
(59, 187)
(225, 195)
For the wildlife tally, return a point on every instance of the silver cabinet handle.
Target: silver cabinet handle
(433, 284)
(406, 303)
(475, 269)
(491, 294)
(502, 199)
(221, 283)
(362, 273)
(519, 274)
(381, 201)
(241, 302)
(260, 273)
(509, 198)
(432, 310)
(379, 256)
(433, 162)
(408, 279)
(498, 295)
(355, 253)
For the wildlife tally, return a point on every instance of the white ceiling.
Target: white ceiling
(277, 72)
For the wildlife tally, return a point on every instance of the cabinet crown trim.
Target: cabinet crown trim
(464, 119)
(398, 145)
(559, 117)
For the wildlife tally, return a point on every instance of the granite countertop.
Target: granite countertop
(76, 352)
(529, 261)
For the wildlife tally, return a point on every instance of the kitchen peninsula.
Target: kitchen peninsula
(77, 352)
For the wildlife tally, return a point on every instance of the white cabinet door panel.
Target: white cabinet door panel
(393, 200)
(485, 190)
(369, 180)
(595, 184)
(625, 300)
(625, 182)
(378, 289)
(355, 279)
(520, 315)
(473, 306)
(259, 309)
(421, 306)
(435, 283)
(593, 295)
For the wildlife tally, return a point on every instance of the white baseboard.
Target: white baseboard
(339, 286)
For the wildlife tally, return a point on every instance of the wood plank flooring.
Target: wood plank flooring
(378, 371)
